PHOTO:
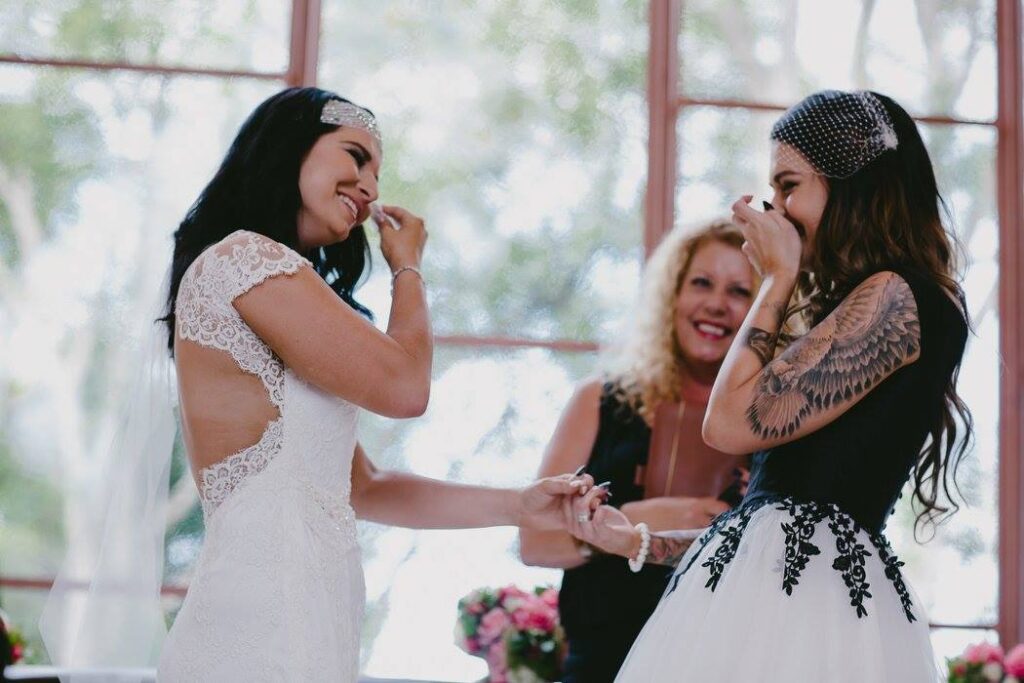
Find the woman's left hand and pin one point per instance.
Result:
(773, 244)
(541, 504)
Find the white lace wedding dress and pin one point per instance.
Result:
(277, 593)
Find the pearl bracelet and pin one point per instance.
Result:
(635, 565)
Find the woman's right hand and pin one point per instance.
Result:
(401, 244)
(773, 244)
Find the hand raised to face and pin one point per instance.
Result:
(772, 244)
(402, 236)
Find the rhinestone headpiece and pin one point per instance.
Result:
(338, 113)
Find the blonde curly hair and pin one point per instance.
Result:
(645, 369)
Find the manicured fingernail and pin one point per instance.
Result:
(580, 470)
(604, 485)
(768, 206)
(747, 198)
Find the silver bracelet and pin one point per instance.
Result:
(394, 275)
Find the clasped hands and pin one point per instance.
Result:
(573, 503)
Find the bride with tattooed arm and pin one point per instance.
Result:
(799, 583)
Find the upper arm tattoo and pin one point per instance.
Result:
(872, 333)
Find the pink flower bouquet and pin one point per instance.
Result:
(518, 633)
(12, 640)
(986, 663)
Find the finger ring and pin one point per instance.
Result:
(583, 518)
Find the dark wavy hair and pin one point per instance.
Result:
(889, 215)
(257, 188)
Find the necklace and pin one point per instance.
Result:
(675, 448)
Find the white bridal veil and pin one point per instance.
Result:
(104, 609)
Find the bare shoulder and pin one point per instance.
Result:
(573, 439)
(589, 389)
(584, 405)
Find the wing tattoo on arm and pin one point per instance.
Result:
(871, 334)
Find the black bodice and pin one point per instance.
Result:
(861, 461)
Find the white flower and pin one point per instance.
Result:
(993, 671)
(890, 140)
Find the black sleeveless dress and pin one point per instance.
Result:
(799, 583)
(603, 605)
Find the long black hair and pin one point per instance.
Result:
(889, 214)
(257, 188)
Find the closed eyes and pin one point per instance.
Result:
(359, 155)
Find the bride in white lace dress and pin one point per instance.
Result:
(274, 362)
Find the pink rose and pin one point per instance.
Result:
(535, 614)
(960, 668)
(983, 653)
(476, 608)
(550, 597)
(511, 597)
(511, 591)
(1014, 661)
(497, 662)
(493, 625)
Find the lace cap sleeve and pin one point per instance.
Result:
(248, 259)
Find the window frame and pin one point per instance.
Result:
(665, 105)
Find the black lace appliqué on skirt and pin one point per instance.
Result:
(805, 518)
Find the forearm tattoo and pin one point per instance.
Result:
(763, 342)
(668, 547)
(870, 335)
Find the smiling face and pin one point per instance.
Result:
(337, 183)
(800, 194)
(713, 300)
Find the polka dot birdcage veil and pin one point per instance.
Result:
(838, 133)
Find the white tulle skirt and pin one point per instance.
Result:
(847, 616)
